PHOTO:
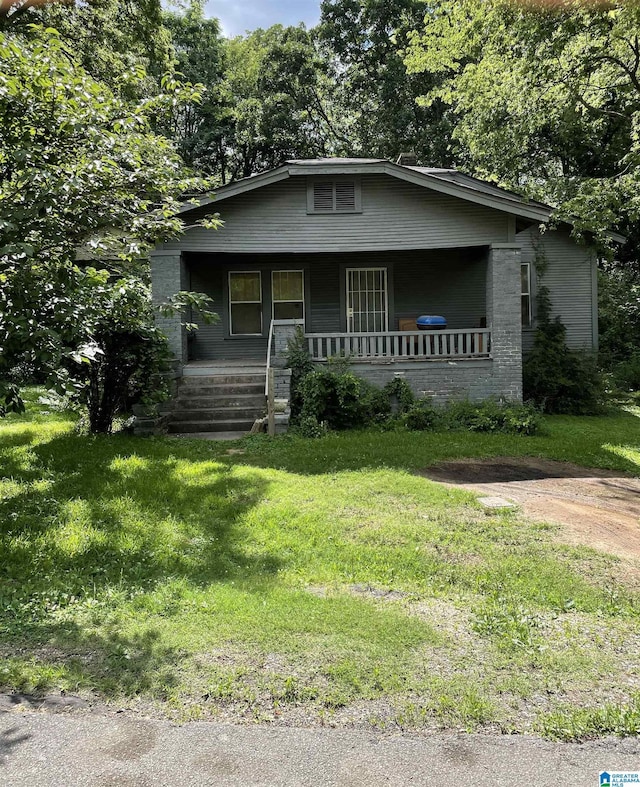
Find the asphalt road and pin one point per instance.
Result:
(42, 749)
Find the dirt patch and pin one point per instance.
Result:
(596, 508)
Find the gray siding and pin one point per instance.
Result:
(395, 215)
(572, 285)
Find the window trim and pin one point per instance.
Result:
(527, 294)
(303, 300)
(232, 303)
(357, 190)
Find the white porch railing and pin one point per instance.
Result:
(469, 343)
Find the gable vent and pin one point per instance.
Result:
(345, 196)
(323, 196)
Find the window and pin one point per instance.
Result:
(525, 276)
(245, 303)
(334, 196)
(287, 294)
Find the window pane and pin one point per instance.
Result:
(246, 318)
(526, 319)
(288, 311)
(524, 276)
(245, 286)
(287, 286)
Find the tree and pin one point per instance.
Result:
(277, 87)
(201, 130)
(365, 41)
(121, 43)
(81, 175)
(546, 100)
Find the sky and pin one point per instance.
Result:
(238, 16)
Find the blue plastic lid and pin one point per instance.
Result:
(431, 319)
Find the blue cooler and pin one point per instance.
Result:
(431, 322)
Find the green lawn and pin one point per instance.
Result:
(310, 581)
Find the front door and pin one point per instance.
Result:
(367, 303)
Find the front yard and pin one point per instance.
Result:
(302, 581)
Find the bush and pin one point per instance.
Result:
(300, 363)
(342, 401)
(123, 362)
(557, 379)
(493, 416)
(421, 416)
(626, 374)
(489, 416)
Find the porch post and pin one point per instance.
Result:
(504, 319)
(169, 276)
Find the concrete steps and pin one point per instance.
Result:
(227, 401)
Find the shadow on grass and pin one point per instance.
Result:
(116, 516)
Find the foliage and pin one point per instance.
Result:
(364, 41)
(488, 416)
(546, 99)
(421, 416)
(619, 313)
(120, 43)
(81, 175)
(400, 395)
(493, 416)
(201, 130)
(275, 86)
(299, 361)
(342, 401)
(125, 354)
(557, 379)
(569, 723)
(626, 374)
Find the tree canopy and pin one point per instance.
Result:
(546, 100)
(81, 174)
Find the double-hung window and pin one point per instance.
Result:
(245, 303)
(287, 295)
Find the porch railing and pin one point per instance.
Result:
(469, 343)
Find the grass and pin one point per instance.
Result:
(311, 581)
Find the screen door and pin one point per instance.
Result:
(367, 300)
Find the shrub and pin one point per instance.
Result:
(557, 379)
(342, 401)
(493, 416)
(626, 374)
(421, 416)
(399, 395)
(300, 363)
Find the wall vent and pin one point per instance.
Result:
(334, 196)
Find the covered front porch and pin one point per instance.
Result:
(359, 304)
(364, 306)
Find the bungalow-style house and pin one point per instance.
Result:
(355, 251)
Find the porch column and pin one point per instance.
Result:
(504, 319)
(168, 277)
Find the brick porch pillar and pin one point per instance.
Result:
(169, 276)
(504, 319)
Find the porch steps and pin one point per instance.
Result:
(225, 400)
